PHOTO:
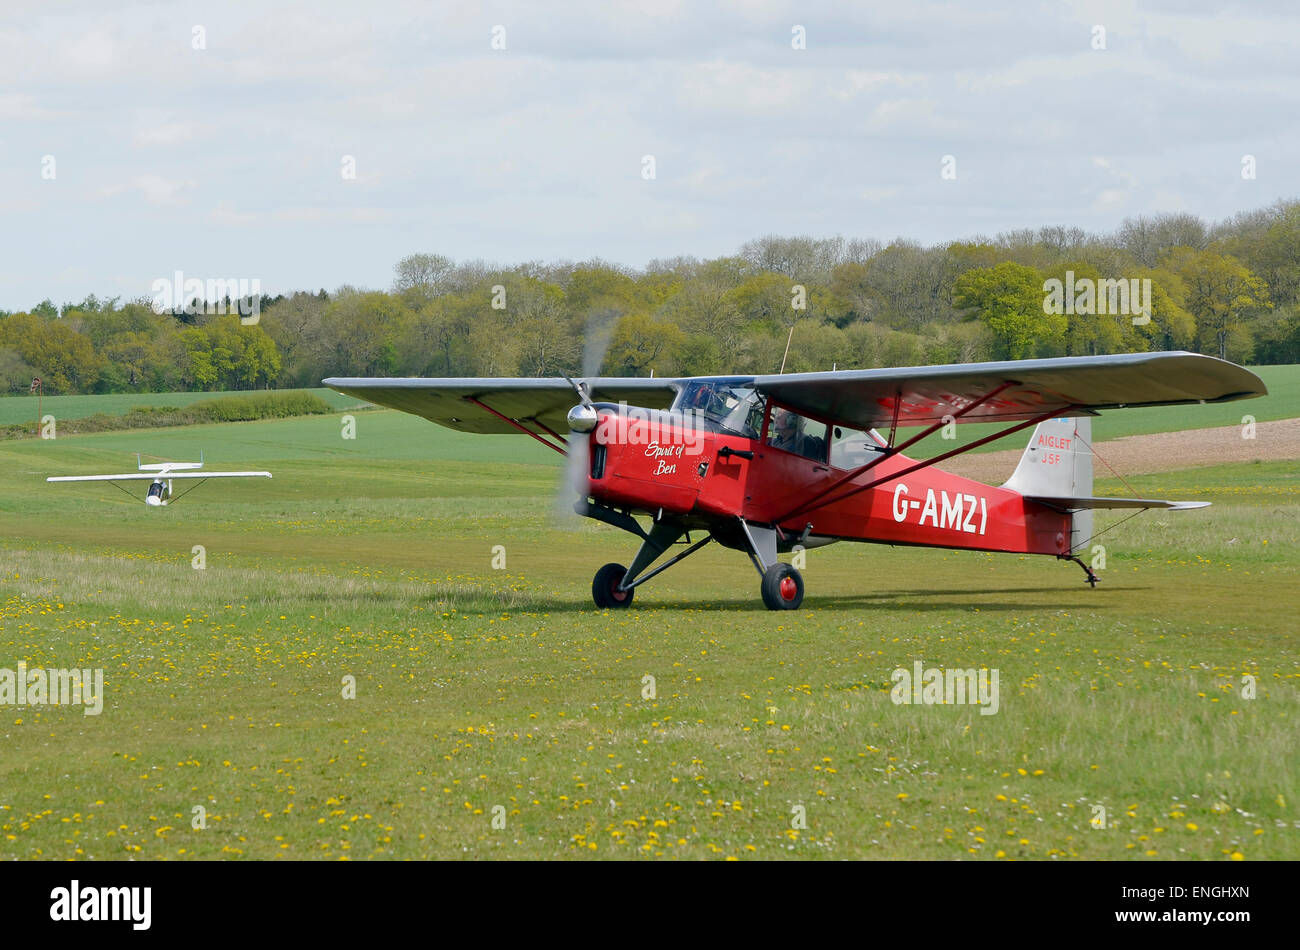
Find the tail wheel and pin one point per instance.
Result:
(605, 591)
(782, 587)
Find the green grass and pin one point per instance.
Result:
(478, 688)
(18, 409)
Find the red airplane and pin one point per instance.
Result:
(768, 464)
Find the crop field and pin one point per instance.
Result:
(389, 650)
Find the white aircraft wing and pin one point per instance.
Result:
(153, 476)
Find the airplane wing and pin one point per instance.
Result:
(153, 476)
(102, 478)
(860, 399)
(547, 400)
(865, 399)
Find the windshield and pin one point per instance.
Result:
(723, 407)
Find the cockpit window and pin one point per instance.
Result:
(723, 407)
(791, 432)
(852, 447)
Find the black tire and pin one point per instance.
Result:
(604, 588)
(777, 593)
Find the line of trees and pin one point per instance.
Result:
(1231, 289)
(100, 347)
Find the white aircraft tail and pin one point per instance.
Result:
(1056, 470)
(1057, 465)
(168, 466)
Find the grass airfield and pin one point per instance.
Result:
(487, 693)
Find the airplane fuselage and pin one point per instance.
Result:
(710, 479)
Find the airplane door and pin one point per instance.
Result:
(790, 465)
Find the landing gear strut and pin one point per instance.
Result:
(614, 585)
(782, 587)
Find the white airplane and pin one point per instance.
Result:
(160, 474)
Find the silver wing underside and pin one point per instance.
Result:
(865, 399)
(859, 399)
(546, 400)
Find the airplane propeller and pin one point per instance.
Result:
(600, 329)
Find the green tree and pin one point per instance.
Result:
(1277, 337)
(64, 359)
(599, 286)
(1008, 299)
(361, 331)
(1268, 242)
(130, 355)
(296, 325)
(15, 373)
(419, 278)
(259, 358)
(640, 344)
(545, 347)
(197, 369)
(1221, 293)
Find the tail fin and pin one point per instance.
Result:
(1056, 470)
(1058, 464)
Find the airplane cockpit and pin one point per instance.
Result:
(736, 408)
(719, 406)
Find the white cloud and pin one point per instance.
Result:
(154, 189)
(534, 152)
(164, 134)
(19, 107)
(88, 55)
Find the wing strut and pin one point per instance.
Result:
(807, 505)
(893, 450)
(547, 429)
(184, 493)
(124, 491)
(518, 425)
(893, 426)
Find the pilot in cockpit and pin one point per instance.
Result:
(786, 431)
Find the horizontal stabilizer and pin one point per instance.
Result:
(1087, 504)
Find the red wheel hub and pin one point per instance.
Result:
(788, 588)
(615, 592)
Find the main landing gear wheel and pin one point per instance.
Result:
(782, 587)
(604, 588)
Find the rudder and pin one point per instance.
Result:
(1058, 463)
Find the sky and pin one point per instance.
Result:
(312, 145)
